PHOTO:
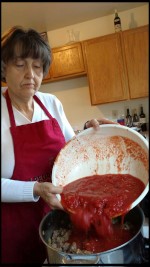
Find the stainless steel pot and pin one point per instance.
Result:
(124, 254)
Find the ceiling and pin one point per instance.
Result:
(47, 16)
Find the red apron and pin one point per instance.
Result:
(36, 146)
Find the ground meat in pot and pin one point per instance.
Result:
(59, 240)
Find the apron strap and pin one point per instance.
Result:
(10, 110)
(42, 106)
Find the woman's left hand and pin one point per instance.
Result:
(96, 122)
(47, 191)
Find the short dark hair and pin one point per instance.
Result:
(30, 43)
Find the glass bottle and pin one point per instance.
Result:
(117, 22)
(135, 118)
(142, 120)
(128, 118)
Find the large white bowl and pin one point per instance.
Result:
(103, 151)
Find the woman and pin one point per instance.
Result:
(34, 129)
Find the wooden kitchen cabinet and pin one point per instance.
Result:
(117, 66)
(3, 84)
(106, 69)
(136, 43)
(67, 61)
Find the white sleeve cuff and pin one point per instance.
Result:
(28, 192)
(17, 191)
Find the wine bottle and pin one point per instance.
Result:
(128, 118)
(135, 118)
(142, 120)
(117, 22)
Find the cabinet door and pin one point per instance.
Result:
(67, 60)
(105, 69)
(136, 45)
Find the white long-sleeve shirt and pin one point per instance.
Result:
(20, 191)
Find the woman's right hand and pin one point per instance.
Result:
(47, 191)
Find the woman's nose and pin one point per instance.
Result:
(29, 72)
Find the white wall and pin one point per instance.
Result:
(74, 93)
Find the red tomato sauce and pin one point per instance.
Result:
(93, 201)
(96, 244)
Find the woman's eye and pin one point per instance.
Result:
(19, 65)
(36, 66)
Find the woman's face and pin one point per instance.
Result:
(24, 76)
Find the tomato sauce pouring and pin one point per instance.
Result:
(93, 202)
